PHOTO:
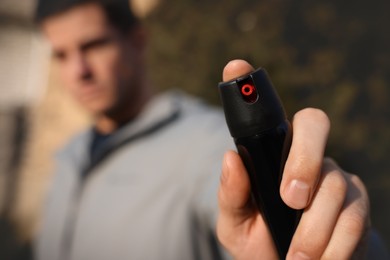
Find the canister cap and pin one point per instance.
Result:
(251, 104)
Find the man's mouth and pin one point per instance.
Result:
(89, 91)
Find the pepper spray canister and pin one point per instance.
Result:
(257, 121)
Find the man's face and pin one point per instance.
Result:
(98, 64)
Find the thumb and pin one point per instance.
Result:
(234, 192)
(236, 68)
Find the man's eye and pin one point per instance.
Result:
(95, 44)
(59, 55)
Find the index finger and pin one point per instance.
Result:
(303, 166)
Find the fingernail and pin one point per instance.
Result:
(298, 194)
(300, 256)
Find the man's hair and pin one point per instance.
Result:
(118, 12)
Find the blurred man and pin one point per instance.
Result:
(142, 182)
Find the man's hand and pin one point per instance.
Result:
(335, 220)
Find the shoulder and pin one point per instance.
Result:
(202, 118)
(202, 134)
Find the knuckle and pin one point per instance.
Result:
(328, 161)
(311, 248)
(362, 201)
(355, 224)
(335, 185)
(358, 183)
(304, 168)
(329, 256)
(356, 179)
(356, 221)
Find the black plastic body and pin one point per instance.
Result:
(263, 136)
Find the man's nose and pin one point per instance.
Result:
(80, 68)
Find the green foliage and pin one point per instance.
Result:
(328, 54)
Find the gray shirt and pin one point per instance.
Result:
(150, 194)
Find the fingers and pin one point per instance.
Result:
(352, 227)
(236, 68)
(333, 224)
(317, 223)
(303, 166)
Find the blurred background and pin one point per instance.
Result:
(333, 55)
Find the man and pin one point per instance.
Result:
(142, 182)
